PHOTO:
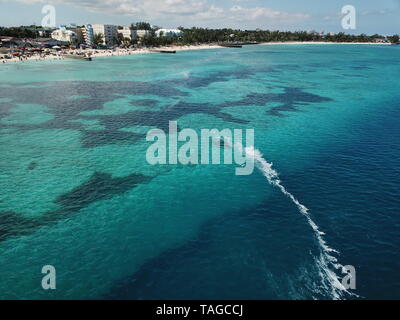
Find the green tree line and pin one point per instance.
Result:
(204, 35)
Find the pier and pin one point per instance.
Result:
(164, 51)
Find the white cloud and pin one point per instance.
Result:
(183, 12)
(259, 13)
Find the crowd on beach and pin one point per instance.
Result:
(60, 54)
(33, 57)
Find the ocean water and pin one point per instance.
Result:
(78, 194)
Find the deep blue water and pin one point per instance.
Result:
(77, 192)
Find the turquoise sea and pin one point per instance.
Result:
(78, 194)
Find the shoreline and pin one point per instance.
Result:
(101, 53)
(95, 53)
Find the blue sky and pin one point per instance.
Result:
(321, 15)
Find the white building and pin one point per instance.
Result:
(169, 33)
(142, 33)
(108, 32)
(127, 33)
(381, 40)
(64, 35)
(88, 34)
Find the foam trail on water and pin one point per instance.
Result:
(326, 258)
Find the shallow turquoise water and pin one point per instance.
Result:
(77, 192)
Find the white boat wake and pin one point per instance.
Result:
(326, 259)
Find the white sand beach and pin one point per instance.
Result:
(119, 52)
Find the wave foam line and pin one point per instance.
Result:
(325, 259)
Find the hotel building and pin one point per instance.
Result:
(142, 33)
(88, 34)
(169, 33)
(64, 35)
(127, 33)
(108, 32)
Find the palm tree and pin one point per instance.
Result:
(98, 39)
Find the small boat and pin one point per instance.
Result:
(76, 56)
